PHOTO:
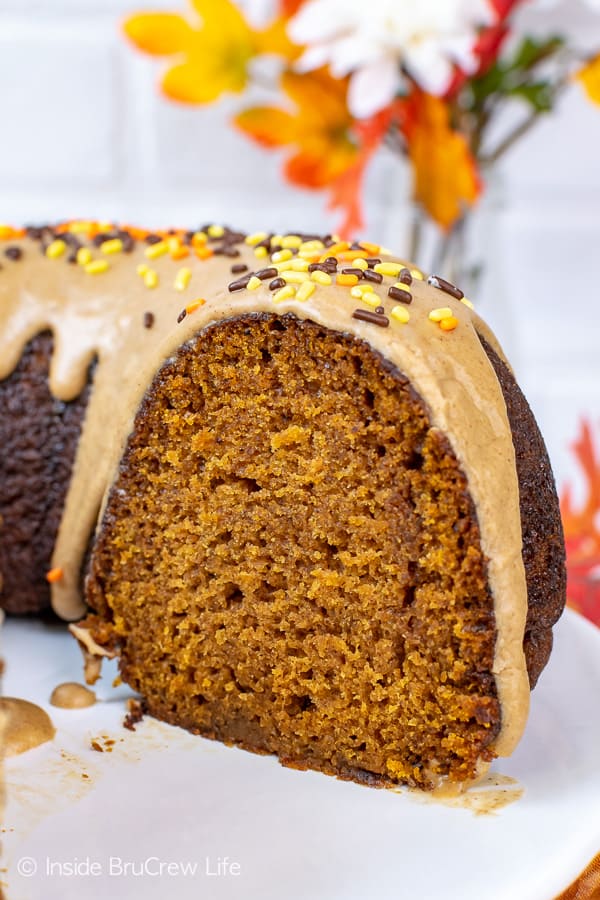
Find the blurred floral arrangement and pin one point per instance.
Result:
(582, 526)
(426, 79)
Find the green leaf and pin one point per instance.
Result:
(537, 94)
(531, 52)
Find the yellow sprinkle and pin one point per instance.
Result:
(467, 302)
(310, 255)
(151, 278)
(96, 267)
(388, 268)
(416, 273)
(253, 239)
(282, 255)
(276, 240)
(384, 251)
(321, 277)
(291, 242)
(296, 277)
(284, 293)
(254, 283)
(182, 279)
(305, 291)
(260, 252)
(55, 249)
(84, 256)
(115, 245)
(174, 244)
(156, 250)
(400, 314)
(360, 289)
(142, 269)
(371, 299)
(199, 237)
(443, 312)
(216, 231)
(299, 265)
(80, 227)
(311, 246)
(360, 263)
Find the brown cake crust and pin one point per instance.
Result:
(38, 436)
(541, 524)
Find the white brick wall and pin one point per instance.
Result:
(85, 133)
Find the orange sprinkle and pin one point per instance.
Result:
(7, 232)
(192, 307)
(180, 252)
(340, 247)
(372, 249)
(449, 323)
(347, 280)
(204, 252)
(350, 255)
(54, 575)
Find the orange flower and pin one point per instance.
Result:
(589, 76)
(582, 533)
(209, 59)
(346, 191)
(445, 172)
(320, 128)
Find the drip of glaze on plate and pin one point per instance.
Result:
(26, 725)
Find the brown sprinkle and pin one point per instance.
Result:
(277, 283)
(318, 267)
(148, 319)
(13, 253)
(405, 277)
(263, 274)
(239, 284)
(397, 293)
(380, 310)
(238, 268)
(373, 261)
(357, 272)
(446, 286)
(181, 316)
(376, 318)
(370, 275)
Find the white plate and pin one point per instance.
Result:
(235, 825)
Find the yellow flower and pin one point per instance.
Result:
(210, 59)
(589, 76)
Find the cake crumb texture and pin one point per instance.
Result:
(290, 560)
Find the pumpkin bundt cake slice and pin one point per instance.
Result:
(292, 562)
(315, 511)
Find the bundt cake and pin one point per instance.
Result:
(289, 481)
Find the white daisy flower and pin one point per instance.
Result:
(373, 40)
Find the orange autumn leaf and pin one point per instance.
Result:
(319, 128)
(589, 76)
(444, 170)
(582, 529)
